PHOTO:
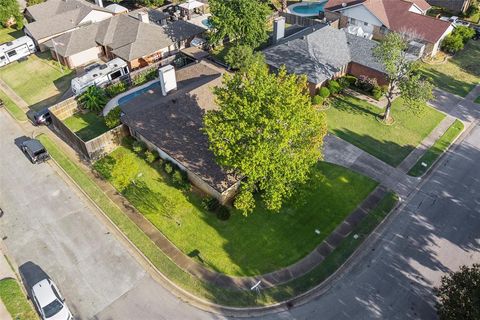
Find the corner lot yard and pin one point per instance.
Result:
(262, 242)
(355, 121)
(86, 125)
(460, 74)
(38, 79)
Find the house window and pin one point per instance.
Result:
(11, 53)
(116, 74)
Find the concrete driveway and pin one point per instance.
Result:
(50, 224)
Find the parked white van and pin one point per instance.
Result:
(16, 49)
(99, 76)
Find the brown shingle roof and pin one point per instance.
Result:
(174, 122)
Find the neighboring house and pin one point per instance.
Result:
(323, 53)
(52, 18)
(375, 18)
(135, 40)
(456, 6)
(172, 125)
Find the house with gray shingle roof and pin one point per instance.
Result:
(134, 40)
(52, 18)
(323, 53)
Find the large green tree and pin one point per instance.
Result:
(459, 294)
(267, 131)
(10, 13)
(242, 57)
(402, 72)
(243, 21)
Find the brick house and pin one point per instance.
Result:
(375, 18)
(323, 53)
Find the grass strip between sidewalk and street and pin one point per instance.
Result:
(207, 291)
(439, 147)
(12, 108)
(15, 300)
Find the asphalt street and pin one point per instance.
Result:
(48, 222)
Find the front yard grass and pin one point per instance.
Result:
(460, 74)
(15, 300)
(86, 125)
(237, 298)
(355, 121)
(242, 246)
(437, 149)
(38, 79)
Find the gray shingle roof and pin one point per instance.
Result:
(128, 37)
(48, 9)
(320, 52)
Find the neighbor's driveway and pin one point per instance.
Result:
(47, 222)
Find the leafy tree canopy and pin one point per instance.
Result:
(241, 57)
(10, 13)
(93, 99)
(459, 294)
(402, 73)
(267, 131)
(243, 21)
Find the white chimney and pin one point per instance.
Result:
(99, 3)
(168, 81)
(143, 16)
(278, 29)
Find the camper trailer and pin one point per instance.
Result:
(100, 76)
(16, 49)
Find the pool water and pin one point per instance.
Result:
(206, 23)
(128, 97)
(310, 9)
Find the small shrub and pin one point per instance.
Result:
(115, 89)
(377, 93)
(138, 146)
(210, 204)
(452, 43)
(324, 92)
(93, 99)
(168, 167)
(344, 83)
(317, 100)
(472, 10)
(352, 80)
(466, 33)
(150, 75)
(334, 87)
(223, 213)
(366, 84)
(180, 180)
(151, 156)
(112, 119)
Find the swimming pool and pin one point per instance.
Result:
(310, 9)
(128, 97)
(206, 23)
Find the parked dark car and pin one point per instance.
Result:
(42, 117)
(35, 150)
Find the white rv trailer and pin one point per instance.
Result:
(16, 49)
(99, 76)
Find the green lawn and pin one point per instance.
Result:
(9, 34)
(15, 300)
(86, 125)
(14, 110)
(437, 149)
(460, 74)
(355, 121)
(237, 298)
(257, 244)
(38, 80)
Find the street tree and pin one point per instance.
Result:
(243, 21)
(459, 294)
(10, 14)
(402, 73)
(266, 131)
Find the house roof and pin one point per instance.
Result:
(129, 38)
(154, 15)
(48, 9)
(174, 123)
(320, 52)
(395, 15)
